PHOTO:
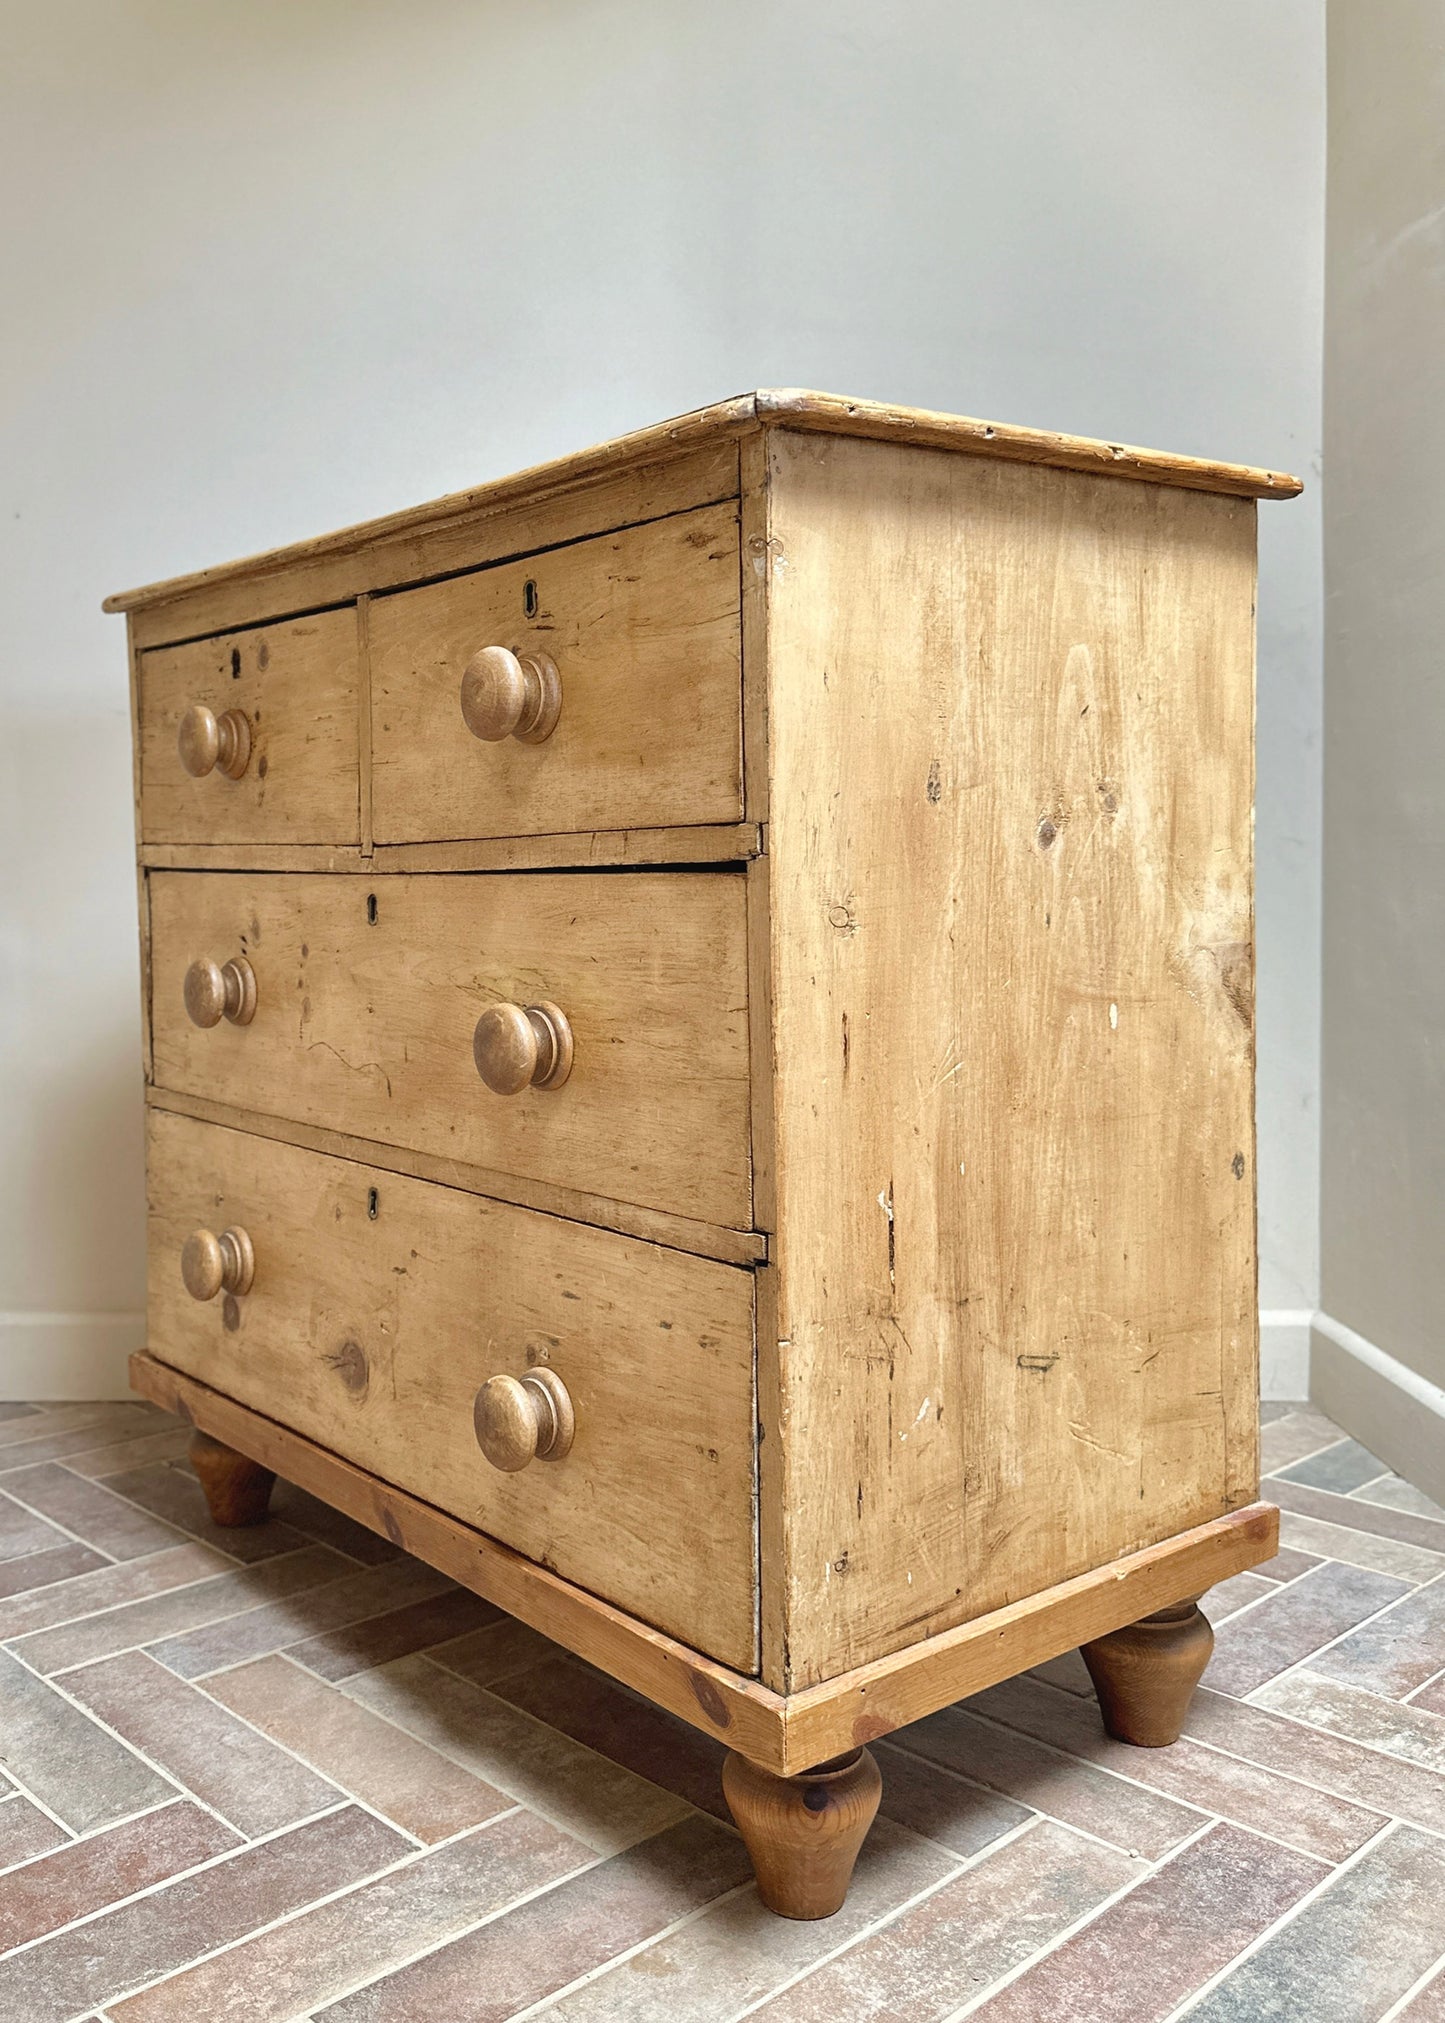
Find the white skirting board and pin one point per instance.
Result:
(1284, 1352)
(1387, 1406)
(60, 1356)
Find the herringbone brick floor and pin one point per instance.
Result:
(290, 1773)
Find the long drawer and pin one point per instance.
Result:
(270, 717)
(642, 628)
(378, 1306)
(368, 995)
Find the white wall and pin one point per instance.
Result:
(276, 267)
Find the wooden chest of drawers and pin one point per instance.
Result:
(699, 1056)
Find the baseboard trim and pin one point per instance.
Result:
(1388, 1407)
(1284, 1352)
(54, 1357)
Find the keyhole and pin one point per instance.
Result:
(371, 909)
(529, 598)
(372, 1203)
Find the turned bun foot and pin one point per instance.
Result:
(804, 1833)
(237, 1489)
(1145, 1675)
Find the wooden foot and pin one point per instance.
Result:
(237, 1490)
(1145, 1675)
(804, 1833)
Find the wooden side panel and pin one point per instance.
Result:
(381, 1304)
(1011, 956)
(643, 626)
(296, 681)
(368, 993)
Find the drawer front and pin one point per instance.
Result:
(379, 1305)
(368, 993)
(295, 686)
(643, 629)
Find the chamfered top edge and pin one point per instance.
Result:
(775, 407)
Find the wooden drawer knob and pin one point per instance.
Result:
(212, 1264)
(520, 1047)
(210, 743)
(522, 1419)
(221, 990)
(511, 695)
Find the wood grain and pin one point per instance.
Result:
(653, 1225)
(1011, 961)
(702, 843)
(785, 1736)
(365, 1025)
(381, 1305)
(296, 682)
(643, 627)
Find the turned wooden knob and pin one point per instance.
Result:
(221, 990)
(520, 1047)
(522, 1419)
(210, 743)
(212, 1264)
(511, 695)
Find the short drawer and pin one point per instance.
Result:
(643, 630)
(379, 1305)
(268, 719)
(368, 993)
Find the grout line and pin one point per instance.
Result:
(1079, 1924)
(891, 1917)
(65, 1532)
(1262, 1939)
(1365, 1622)
(94, 1832)
(22, 1790)
(1415, 1692)
(604, 1967)
(1430, 1975)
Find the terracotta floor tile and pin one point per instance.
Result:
(118, 1457)
(1410, 1731)
(77, 1771)
(548, 1942)
(85, 1875)
(1291, 1438)
(173, 1494)
(17, 1411)
(1392, 1492)
(1332, 1762)
(1353, 1950)
(947, 1950)
(1279, 1408)
(330, 1527)
(252, 1784)
(1068, 1672)
(44, 1569)
(1294, 1622)
(311, 1960)
(357, 1647)
(1317, 1823)
(942, 1806)
(1432, 1697)
(419, 1790)
(1141, 1957)
(602, 1804)
(87, 1966)
(595, 1710)
(353, 1594)
(162, 1615)
(1075, 1793)
(1397, 1652)
(1426, 1532)
(1392, 1556)
(1342, 1467)
(737, 1952)
(107, 1588)
(25, 1831)
(91, 1512)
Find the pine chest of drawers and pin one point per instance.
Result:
(698, 1020)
